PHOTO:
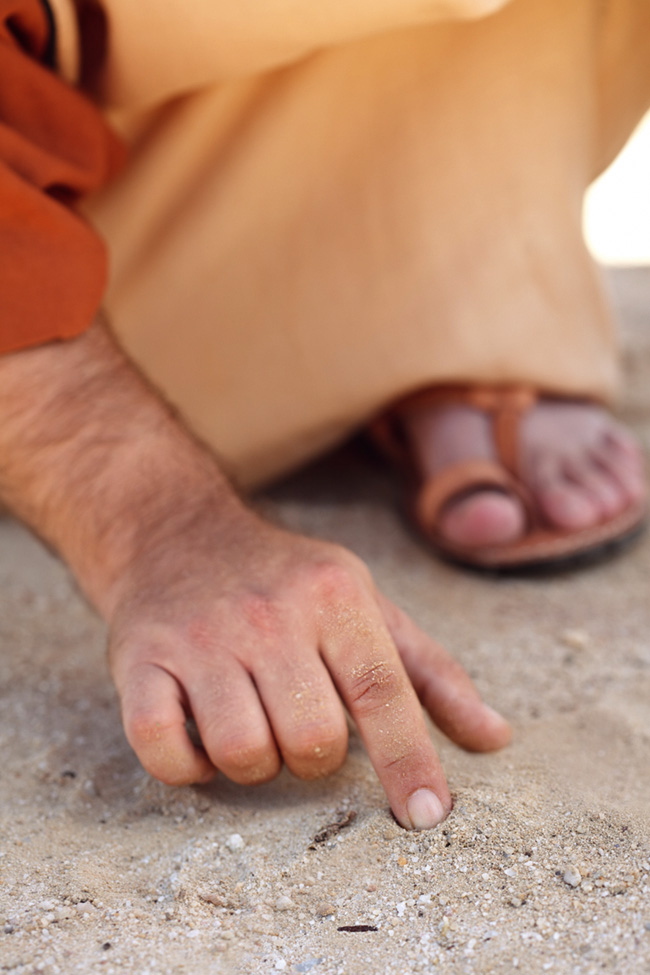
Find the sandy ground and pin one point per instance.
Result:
(544, 864)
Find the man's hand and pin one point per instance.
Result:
(262, 636)
(259, 635)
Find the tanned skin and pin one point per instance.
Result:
(260, 635)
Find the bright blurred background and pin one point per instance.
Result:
(617, 207)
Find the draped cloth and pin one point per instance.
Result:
(55, 148)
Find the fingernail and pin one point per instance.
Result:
(424, 809)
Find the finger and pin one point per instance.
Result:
(233, 726)
(304, 709)
(369, 675)
(154, 719)
(444, 687)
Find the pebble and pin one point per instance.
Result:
(325, 908)
(575, 639)
(307, 964)
(217, 900)
(284, 903)
(85, 908)
(235, 842)
(572, 876)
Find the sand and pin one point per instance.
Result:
(544, 864)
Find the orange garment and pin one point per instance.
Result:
(54, 147)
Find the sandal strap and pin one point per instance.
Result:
(465, 478)
(505, 404)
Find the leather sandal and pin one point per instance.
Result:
(542, 545)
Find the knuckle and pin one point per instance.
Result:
(374, 687)
(317, 750)
(337, 582)
(246, 758)
(262, 613)
(145, 728)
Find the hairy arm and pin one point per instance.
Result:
(261, 636)
(94, 461)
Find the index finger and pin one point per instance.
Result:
(370, 677)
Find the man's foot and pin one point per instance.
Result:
(580, 466)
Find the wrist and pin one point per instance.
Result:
(168, 499)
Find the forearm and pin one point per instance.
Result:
(95, 462)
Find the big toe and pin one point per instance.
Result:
(483, 518)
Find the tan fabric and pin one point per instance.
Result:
(155, 51)
(295, 247)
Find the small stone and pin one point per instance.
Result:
(284, 903)
(307, 964)
(571, 876)
(217, 900)
(235, 843)
(85, 908)
(575, 639)
(516, 902)
(280, 965)
(324, 909)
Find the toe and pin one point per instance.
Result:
(483, 518)
(563, 500)
(622, 460)
(605, 491)
(566, 505)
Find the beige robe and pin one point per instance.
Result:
(330, 204)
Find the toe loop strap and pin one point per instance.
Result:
(463, 479)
